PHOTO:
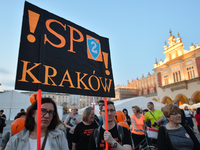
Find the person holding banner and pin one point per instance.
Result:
(71, 122)
(115, 141)
(83, 130)
(51, 138)
(173, 135)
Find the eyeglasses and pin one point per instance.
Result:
(44, 112)
(175, 114)
(111, 110)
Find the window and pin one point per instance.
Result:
(151, 90)
(190, 71)
(177, 76)
(145, 91)
(166, 79)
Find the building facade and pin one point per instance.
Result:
(69, 100)
(177, 78)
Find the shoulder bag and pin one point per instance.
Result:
(45, 140)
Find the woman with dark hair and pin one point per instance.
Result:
(51, 138)
(173, 135)
(197, 118)
(127, 119)
(83, 130)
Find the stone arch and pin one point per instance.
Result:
(167, 100)
(195, 98)
(181, 99)
(155, 99)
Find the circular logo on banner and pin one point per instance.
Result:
(187, 135)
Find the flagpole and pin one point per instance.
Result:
(106, 118)
(93, 104)
(39, 119)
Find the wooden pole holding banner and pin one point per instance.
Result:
(106, 118)
(39, 119)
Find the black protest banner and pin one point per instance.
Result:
(57, 55)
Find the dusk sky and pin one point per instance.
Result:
(137, 31)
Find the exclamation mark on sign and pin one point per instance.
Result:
(33, 20)
(105, 58)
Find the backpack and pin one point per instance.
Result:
(97, 133)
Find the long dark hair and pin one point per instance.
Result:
(125, 110)
(30, 122)
(198, 110)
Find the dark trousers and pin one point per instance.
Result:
(198, 127)
(69, 139)
(1, 128)
(189, 119)
(137, 139)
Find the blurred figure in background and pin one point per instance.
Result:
(8, 135)
(2, 122)
(127, 117)
(61, 125)
(148, 124)
(155, 116)
(141, 111)
(22, 110)
(138, 123)
(197, 118)
(165, 119)
(83, 130)
(183, 118)
(100, 103)
(71, 122)
(188, 115)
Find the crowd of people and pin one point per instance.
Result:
(88, 132)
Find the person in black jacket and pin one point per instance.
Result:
(173, 135)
